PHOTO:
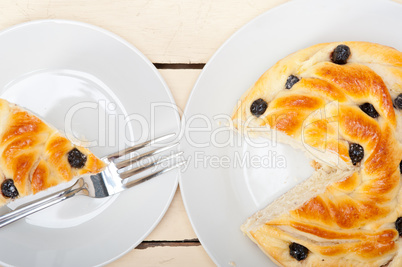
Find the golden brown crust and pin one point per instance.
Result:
(359, 252)
(353, 222)
(34, 155)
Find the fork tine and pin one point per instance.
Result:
(148, 154)
(139, 169)
(138, 146)
(153, 175)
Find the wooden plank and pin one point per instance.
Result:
(173, 31)
(182, 243)
(180, 83)
(165, 256)
(175, 225)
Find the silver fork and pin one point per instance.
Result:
(106, 183)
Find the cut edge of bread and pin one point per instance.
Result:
(327, 158)
(316, 184)
(296, 197)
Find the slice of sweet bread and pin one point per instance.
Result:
(35, 156)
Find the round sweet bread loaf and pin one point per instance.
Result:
(342, 104)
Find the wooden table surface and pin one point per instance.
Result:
(179, 37)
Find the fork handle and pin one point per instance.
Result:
(40, 204)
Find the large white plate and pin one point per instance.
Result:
(101, 91)
(219, 193)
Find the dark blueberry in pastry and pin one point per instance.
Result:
(400, 166)
(291, 81)
(340, 54)
(398, 225)
(76, 158)
(398, 101)
(8, 189)
(356, 153)
(297, 251)
(258, 107)
(369, 110)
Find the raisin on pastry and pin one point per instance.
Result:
(258, 107)
(292, 80)
(345, 113)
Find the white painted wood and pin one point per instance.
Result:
(180, 83)
(166, 31)
(175, 225)
(194, 256)
(187, 31)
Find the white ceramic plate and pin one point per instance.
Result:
(102, 91)
(219, 190)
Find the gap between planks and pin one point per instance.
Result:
(176, 66)
(169, 243)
